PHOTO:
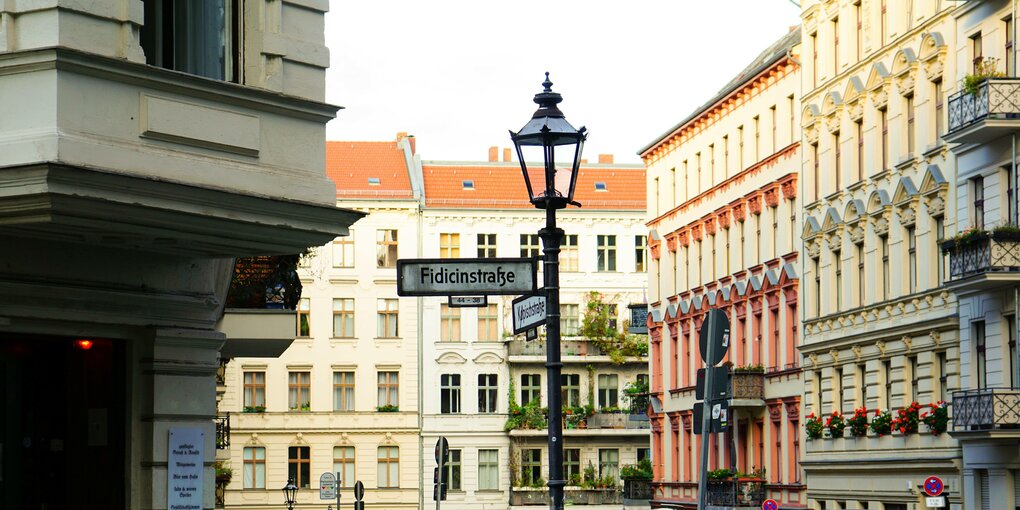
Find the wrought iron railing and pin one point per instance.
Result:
(995, 97)
(745, 493)
(519, 347)
(982, 255)
(265, 282)
(748, 385)
(637, 489)
(986, 409)
(222, 431)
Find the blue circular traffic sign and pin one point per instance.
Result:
(933, 486)
(770, 504)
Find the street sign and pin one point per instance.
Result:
(720, 384)
(468, 301)
(528, 312)
(442, 451)
(769, 504)
(933, 486)
(466, 277)
(327, 486)
(721, 342)
(720, 410)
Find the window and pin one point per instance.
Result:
(838, 173)
(838, 261)
(571, 389)
(1011, 335)
(343, 465)
(726, 155)
(939, 120)
(606, 255)
(860, 380)
(912, 259)
(740, 148)
(837, 397)
(978, 330)
(343, 251)
(488, 470)
(488, 388)
(299, 466)
(976, 52)
(711, 163)
(486, 245)
(1010, 58)
(978, 189)
(200, 38)
(816, 270)
(388, 474)
(343, 318)
(570, 320)
(910, 124)
(600, 186)
(887, 380)
(814, 59)
(943, 375)
(389, 388)
(759, 250)
(883, 244)
(792, 107)
(488, 323)
(531, 388)
(343, 391)
(386, 248)
(859, 128)
(299, 391)
(568, 253)
(640, 254)
(467, 184)
(913, 376)
(1007, 176)
(449, 323)
(449, 393)
(254, 389)
(816, 175)
(940, 256)
(449, 246)
(530, 246)
(697, 176)
(609, 463)
(304, 318)
(757, 139)
(571, 463)
(884, 121)
(835, 46)
(531, 465)
(644, 454)
(882, 23)
(386, 323)
(254, 468)
(859, 257)
(609, 385)
(859, 42)
(452, 477)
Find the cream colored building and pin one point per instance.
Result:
(355, 351)
(880, 325)
(137, 163)
(724, 213)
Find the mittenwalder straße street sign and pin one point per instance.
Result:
(466, 277)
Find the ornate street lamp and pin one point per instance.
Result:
(547, 130)
(289, 493)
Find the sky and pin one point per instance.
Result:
(458, 74)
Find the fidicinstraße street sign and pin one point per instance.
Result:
(467, 277)
(528, 312)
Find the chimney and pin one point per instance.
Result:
(506, 155)
(493, 154)
(605, 159)
(410, 139)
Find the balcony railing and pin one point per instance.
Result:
(265, 282)
(736, 493)
(995, 98)
(222, 431)
(748, 385)
(571, 496)
(637, 489)
(568, 347)
(982, 255)
(986, 409)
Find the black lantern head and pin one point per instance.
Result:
(547, 130)
(289, 493)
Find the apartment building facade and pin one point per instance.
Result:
(982, 127)
(880, 325)
(723, 215)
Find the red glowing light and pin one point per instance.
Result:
(84, 344)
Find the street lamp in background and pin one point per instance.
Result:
(553, 189)
(289, 493)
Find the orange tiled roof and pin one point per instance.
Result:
(502, 186)
(351, 164)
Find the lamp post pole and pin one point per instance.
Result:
(551, 239)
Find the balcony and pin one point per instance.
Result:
(983, 260)
(576, 350)
(259, 318)
(222, 431)
(636, 490)
(748, 389)
(525, 496)
(992, 112)
(739, 493)
(987, 410)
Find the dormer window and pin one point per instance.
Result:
(468, 184)
(600, 186)
(373, 181)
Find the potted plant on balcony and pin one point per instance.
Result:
(749, 369)
(813, 426)
(964, 239)
(936, 418)
(985, 69)
(254, 409)
(907, 419)
(881, 424)
(858, 423)
(388, 408)
(835, 423)
(223, 473)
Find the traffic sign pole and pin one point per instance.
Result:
(706, 416)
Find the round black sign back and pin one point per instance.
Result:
(721, 338)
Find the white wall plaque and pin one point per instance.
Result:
(184, 469)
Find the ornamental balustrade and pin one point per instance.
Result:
(986, 409)
(637, 489)
(748, 385)
(984, 255)
(995, 98)
(222, 431)
(749, 492)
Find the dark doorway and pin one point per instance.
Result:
(62, 438)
